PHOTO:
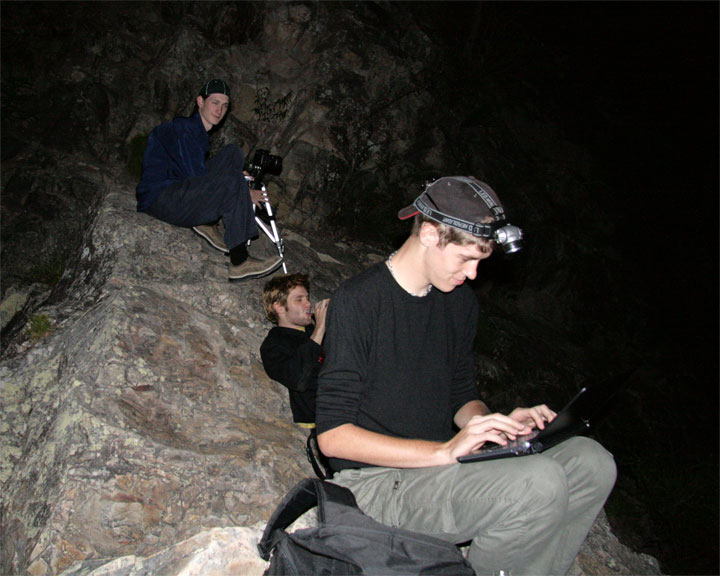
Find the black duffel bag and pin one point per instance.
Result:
(346, 541)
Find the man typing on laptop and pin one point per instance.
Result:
(398, 382)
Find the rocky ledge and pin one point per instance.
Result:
(140, 434)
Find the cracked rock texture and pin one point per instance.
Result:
(142, 435)
(146, 416)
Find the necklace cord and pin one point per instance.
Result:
(392, 273)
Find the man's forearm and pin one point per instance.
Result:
(351, 442)
(472, 408)
(318, 334)
(477, 426)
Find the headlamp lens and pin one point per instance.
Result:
(512, 247)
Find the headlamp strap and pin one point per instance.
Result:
(496, 210)
(474, 228)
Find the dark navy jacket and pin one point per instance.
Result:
(175, 151)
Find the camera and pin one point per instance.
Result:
(263, 163)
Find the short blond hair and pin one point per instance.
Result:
(277, 289)
(449, 235)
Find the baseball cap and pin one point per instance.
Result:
(462, 202)
(215, 86)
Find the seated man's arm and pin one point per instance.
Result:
(338, 436)
(351, 442)
(290, 362)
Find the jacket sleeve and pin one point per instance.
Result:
(292, 362)
(190, 154)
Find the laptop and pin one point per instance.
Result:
(576, 418)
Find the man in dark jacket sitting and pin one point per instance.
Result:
(180, 187)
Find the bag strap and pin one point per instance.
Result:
(306, 494)
(310, 446)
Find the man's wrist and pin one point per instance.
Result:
(318, 335)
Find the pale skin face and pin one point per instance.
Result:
(213, 109)
(298, 311)
(447, 267)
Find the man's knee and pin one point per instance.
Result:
(228, 160)
(597, 463)
(545, 485)
(534, 487)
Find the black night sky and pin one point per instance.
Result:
(638, 87)
(643, 97)
(640, 91)
(636, 84)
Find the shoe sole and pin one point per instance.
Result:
(207, 238)
(258, 274)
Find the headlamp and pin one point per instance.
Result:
(506, 235)
(509, 237)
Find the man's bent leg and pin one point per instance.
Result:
(590, 472)
(187, 204)
(224, 171)
(220, 193)
(511, 510)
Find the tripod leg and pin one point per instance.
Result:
(272, 232)
(275, 237)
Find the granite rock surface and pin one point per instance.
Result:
(142, 435)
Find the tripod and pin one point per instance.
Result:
(271, 231)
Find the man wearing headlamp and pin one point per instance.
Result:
(397, 401)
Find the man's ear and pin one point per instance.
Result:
(279, 309)
(200, 101)
(429, 235)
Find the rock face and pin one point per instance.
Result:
(146, 416)
(331, 89)
(144, 428)
(232, 551)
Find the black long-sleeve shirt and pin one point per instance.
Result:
(394, 363)
(292, 358)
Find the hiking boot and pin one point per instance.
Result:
(253, 268)
(211, 233)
